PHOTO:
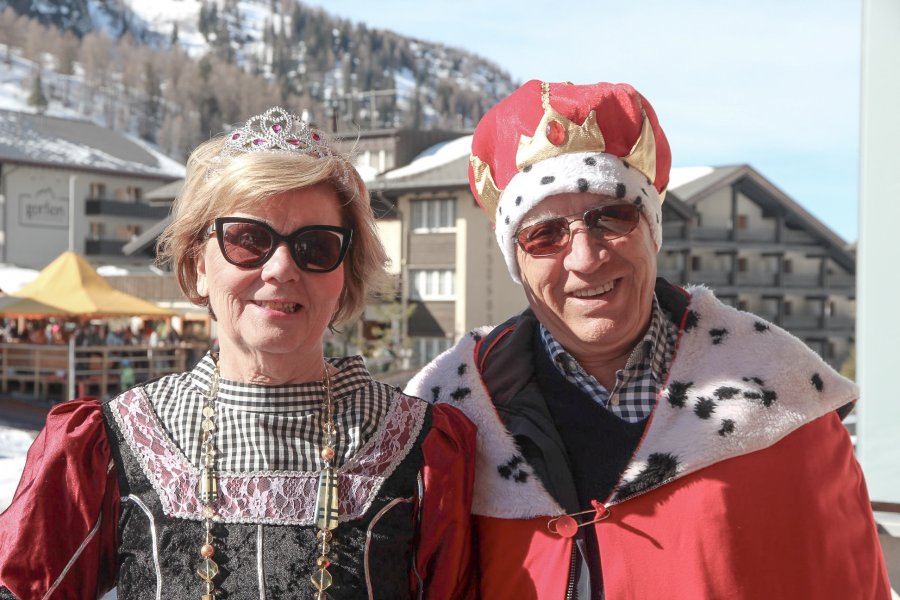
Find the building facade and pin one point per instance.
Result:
(734, 231)
(43, 160)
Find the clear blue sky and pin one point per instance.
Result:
(774, 84)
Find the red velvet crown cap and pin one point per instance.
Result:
(618, 110)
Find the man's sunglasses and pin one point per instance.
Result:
(552, 236)
(250, 243)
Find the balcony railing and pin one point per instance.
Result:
(104, 246)
(757, 279)
(95, 206)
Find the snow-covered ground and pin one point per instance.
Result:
(14, 444)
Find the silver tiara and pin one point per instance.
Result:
(275, 130)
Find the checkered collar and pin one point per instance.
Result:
(351, 375)
(653, 344)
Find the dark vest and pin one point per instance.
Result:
(264, 559)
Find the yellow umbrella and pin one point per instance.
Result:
(12, 306)
(70, 284)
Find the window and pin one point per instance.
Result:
(427, 349)
(742, 221)
(788, 266)
(98, 191)
(432, 284)
(696, 264)
(742, 264)
(742, 305)
(98, 230)
(433, 215)
(787, 308)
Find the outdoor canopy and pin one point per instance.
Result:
(71, 287)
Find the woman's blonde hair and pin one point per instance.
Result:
(215, 187)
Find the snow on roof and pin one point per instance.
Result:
(42, 139)
(433, 157)
(367, 172)
(684, 175)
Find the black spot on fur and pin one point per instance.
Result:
(435, 394)
(755, 380)
(547, 179)
(476, 336)
(518, 200)
(678, 393)
(760, 327)
(461, 370)
(644, 191)
(657, 217)
(691, 321)
(582, 185)
(500, 210)
(506, 220)
(767, 397)
(718, 335)
(460, 393)
(816, 380)
(649, 182)
(590, 161)
(661, 466)
(626, 165)
(726, 393)
(511, 470)
(704, 408)
(727, 427)
(526, 169)
(620, 190)
(638, 201)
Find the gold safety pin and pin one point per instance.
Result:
(567, 526)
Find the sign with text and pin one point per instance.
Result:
(43, 208)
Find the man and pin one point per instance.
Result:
(637, 440)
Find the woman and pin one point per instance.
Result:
(266, 471)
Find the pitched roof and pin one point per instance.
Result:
(693, 184)
(78, 144)
(443, 165)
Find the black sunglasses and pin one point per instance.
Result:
(250, 243)
(552, 236)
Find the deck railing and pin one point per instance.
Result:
(41, 371)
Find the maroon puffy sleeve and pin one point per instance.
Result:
(59, 533)
(445, 555)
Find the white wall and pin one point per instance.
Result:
(878, 325)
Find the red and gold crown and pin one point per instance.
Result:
(552, 138)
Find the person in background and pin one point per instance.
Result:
(266, 471)
(638, 440)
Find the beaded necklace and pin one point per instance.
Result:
(326, 502)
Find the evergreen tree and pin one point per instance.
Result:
(37, 99)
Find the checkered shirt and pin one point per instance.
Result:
(638, 384)
(271, 428)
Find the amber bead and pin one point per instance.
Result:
(207, 550)
(328, 453)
